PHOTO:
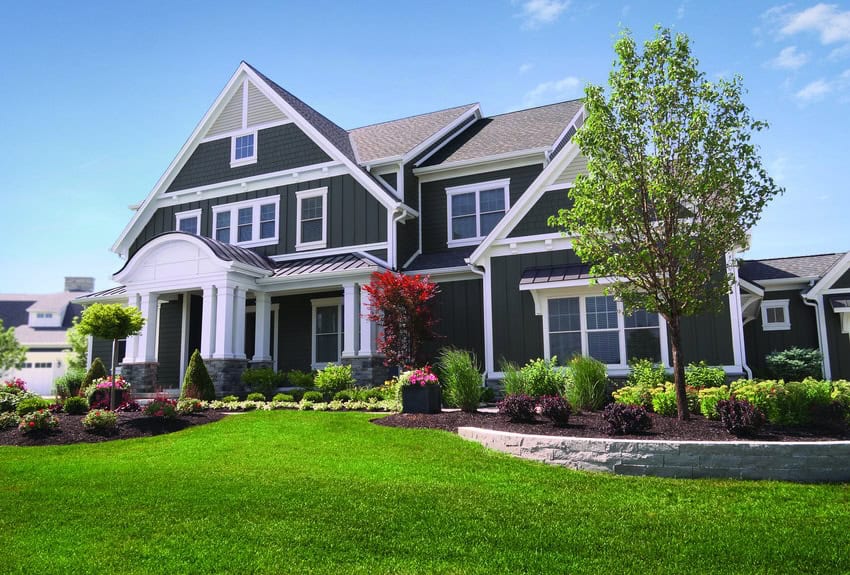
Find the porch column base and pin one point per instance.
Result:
(368, 370)
(226, 375)
(261, 364)
(140, 376)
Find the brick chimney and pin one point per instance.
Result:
(79, 284)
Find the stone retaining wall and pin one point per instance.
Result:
(804, 461)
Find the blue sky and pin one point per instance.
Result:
(97, 98)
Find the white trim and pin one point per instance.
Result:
(188, 215)
(580, 115)
(240, 130)
(252, 159)
(468, 117)
(326, 302)
(304, 195)
(775, 304)
(523, 245)
(333, 252)
(750, 287)
(831, 276)
(255, 204)
(476, 190)
(525, 157)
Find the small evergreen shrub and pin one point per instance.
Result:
(298, 378)
(556, 409)
(312, 397)
(197, 383)
(161, 406)
(9, 419)
(283, 397)
(587, 386)
(229, 399)
(70, 384)
(460, 376)
(333, 378)
(344, 395)
(626, 419)
(31, 404)
(41, 420)
(702, 375)
(518, 407)
(740, 418)
(708, 399)
(795, 364)
(100, 420)
(255, 397)
(96, 371)
(263, 380)
(76, 405)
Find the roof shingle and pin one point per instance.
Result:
(788, 268)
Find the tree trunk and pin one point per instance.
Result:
(112, 377)
(675, 333)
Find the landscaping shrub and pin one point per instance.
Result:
(31, 404)
(556, 409)
(283, 397)
(488, 394)
(626, 419)
(740, 418)
(70, 384)
(197, 383)
(41, 420)
(513, 382)
(587, 385)
(255, 397)
(230, 399)
(840, 394)
(9, 399)
(9, 419)
(794, 402)
(96, 371)
(544, 377)
(100, 389)
(344, 395)
(333, 378)
(189, 405)
(14, 386)
(75, 405)
(312, 397)
(755, 392)
(305, 405)
(703, 375)
(370, 394)
(634, 395)
(460, 376)
(664, 399)
(100, 420)
(263, 380)
(298, 378)
(795, 364)
(161, 406)
(708, 398)
(518, 407)
(55, 407)
(646, 374)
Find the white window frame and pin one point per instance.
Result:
(248, 159)
(303, 195)
(583, 294)
(188, 215)
(326, 302)
(505, 184)
(255, 221)
(774, 304)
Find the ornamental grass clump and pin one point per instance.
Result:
(740, 418)
(38, 421)
(626, 419)
(100, 420)
(587, 385)
(460, 375)
(197, 383)
(519, 407)
(556, 409)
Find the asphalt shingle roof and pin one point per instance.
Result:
(787, 268)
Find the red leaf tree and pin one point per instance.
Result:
(402, 304)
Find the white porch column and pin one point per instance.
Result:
(224, 322)
(148, 335)
(262, 328)
(367, 328)
(132, 347)
(208, 323)
(351, 327)
(239, 323)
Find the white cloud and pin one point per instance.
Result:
(525, 68)
(813, 91)
(680, 11)
(536, 13)
(840, 53)
(563, 89)
(790, 59)
(825, 19)
(778, 168)
(625, 10)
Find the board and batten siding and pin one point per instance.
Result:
(295, 335)
(839, 346)
(278, 148)
(102, 348)
(355, 216)
(459, 311)
(434, 211)
(169, 345)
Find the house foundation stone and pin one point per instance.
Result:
(226, 375)
(368, 371)
(140, 376)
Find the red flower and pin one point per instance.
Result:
(32, 424)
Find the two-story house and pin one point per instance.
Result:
(256, 242)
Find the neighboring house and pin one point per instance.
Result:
(799, 301)
(41, 323)
(255, 244)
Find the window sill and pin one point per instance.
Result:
(243, 162)
(310, 246)
(777, 327)
(256, 243)
(464, 242)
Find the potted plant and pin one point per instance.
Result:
(420, 391)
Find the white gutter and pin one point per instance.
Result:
(821, 323)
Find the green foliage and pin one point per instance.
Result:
(9, 399)
(664, 399)
(12, 353)
(31, 404)
(298, 378)
(71, 383)
(587, 385)
(795, 364)
(76, 405)
(263, 380)
(283, 397)
(644, 373)
(536, 378)
(634, 395)
(513, 382)
(460, 376)
(344, 395)
(111, 321)
(197, 383)
(791, 403)
(41, 420)
(186, 405)
(9, 419)
(161, 407)
(255, 397)
(841, 395)
(333, 378)
(708, 398)
(100, 420)
(312, 397)
(703, 375)
(78, 356)
(95, 372)
(229, 399)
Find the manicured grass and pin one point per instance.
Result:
(311, 492)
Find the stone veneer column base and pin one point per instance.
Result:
(261, 364)
(369, 371)
(226, 375)
(140, 376)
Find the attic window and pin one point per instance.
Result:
(243, 149)
(474, 210)
(774, 315)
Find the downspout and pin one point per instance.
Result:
(489, 360)
(398, 215)
(824, 350)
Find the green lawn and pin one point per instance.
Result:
(308, 492)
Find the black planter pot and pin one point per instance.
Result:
(420, 399)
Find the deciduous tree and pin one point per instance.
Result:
(12, 353)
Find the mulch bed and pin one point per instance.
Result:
(591, 424)
(130, 425)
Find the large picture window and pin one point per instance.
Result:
(249, 223)
(474, 210)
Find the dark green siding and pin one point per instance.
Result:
(411, 187)
(459, 309)
(708, 337)
(517, 330)
(839, 345)
(391, 179)
(355, 216)
(434, 211)
(102, 348)
(279, 148)
(842, 282)
(803, 333)
(170, 325)
(380, 254)
(294, 333)
(196, 307)
(536, 220)
(407, 241)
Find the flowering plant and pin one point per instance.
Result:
(107, 383)
(422, 377)
(161, 406)
(100, 419)
(41, 420)
(15, 385)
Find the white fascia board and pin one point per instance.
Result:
(786, 284)
(429, 173)
(835, 272)
(537, 188)
(751, 287)
(473, 112)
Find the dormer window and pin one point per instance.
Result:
(44, 315)
(243, 149)
(188, 221)
(474, 210)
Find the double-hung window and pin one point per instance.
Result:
(311, 218)
(474, 210)
(188, 221)
(327, 331)
(249, 223)
(243, 149)
(774, 315)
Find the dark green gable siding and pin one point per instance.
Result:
(391, 179)
(170, 327)
(839, 345)
(536, 220)
(355, 216)
(843, 282)
(434, 210)
(803, 333)
(279, 148)
(407, 235)
(459, 309)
